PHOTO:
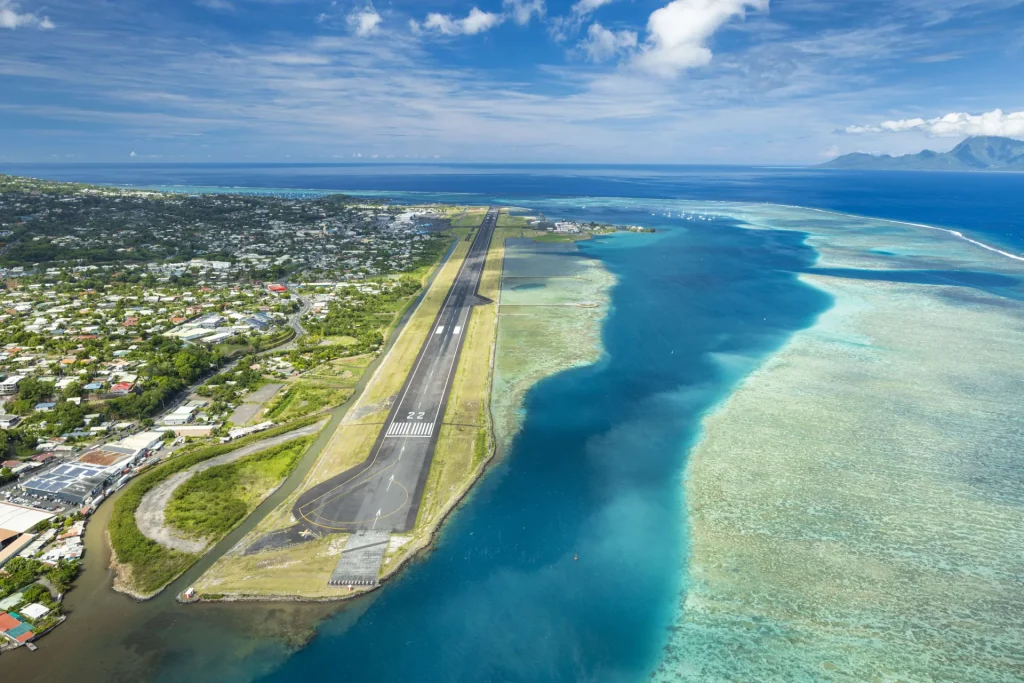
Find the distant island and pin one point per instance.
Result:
(982, 153)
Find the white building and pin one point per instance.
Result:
(9, 386)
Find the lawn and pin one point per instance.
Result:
(212, 503)
(471, 218)
(305, 398)
(344, 372)
(507, 220)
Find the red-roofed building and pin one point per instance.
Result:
(7, 622)
(277, 288)
(122, 388)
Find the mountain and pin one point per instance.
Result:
(982, 153)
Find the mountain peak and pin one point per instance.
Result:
(978, 153)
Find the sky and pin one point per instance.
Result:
(575, 81)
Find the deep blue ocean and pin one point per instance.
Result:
(597, 468)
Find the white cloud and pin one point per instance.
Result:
(477, 21)
(522, 11)
(12, 17)
(582, 7)
(678, 32)
(562, 27)
(365, 22)
(953, 125)
(602, 44)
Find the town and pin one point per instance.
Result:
(135, 325)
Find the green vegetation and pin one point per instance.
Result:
(171, 365)
(239, 344)
(226, 387)
(20, 572)
(213, 502)
(362, 313)
(341, 372)
(506, 220)
(150, 565)
(470, 218)
(569, 237)
(305, 398)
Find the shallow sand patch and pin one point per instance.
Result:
(856, 508)
(553, 303)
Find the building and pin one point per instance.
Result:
(122, 388)
(9, 421)
(15, 523)
(124, 453)
(14, 629)
(72, 483)
(217, 338)
(9, 386)
(181, 416)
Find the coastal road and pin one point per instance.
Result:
(384, 492)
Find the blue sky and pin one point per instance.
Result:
(630, 81)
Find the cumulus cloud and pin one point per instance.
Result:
(602, 44)
(522, 11)
(477, 21)
(12, 17)
(365, 22)
(953, 125)
(678, 32)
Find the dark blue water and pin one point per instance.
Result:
(986, 204)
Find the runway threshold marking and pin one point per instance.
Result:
(422, 429)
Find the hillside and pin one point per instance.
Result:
(982, 153)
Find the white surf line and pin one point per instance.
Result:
(955, 233)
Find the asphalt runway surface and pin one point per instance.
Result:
(383, 493)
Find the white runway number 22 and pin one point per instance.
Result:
(413, 415)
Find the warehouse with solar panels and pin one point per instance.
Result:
(72, 483)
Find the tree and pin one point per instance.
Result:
(33, 390)
(6, 475)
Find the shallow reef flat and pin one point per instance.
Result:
(553, 302)
(856, 507)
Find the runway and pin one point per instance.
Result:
(384, 492)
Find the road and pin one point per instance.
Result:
(384, 492)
